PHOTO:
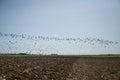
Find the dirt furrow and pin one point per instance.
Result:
(95, 69)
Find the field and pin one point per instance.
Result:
(23, 67)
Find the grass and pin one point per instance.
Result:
(12, 54)
(56, 55)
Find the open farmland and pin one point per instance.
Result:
(35, 68)
(58, 68)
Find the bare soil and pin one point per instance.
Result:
(95, 69)
(58, 68)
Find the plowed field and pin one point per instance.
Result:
(58, 68)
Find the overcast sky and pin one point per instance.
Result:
(73, 18)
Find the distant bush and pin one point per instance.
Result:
(54, 54)
(22, 53)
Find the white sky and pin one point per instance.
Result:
(61, 18)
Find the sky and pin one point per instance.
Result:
(63, 18)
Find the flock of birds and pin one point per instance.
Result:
(69, 40)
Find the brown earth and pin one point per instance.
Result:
(95, 69)
(58, 68)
